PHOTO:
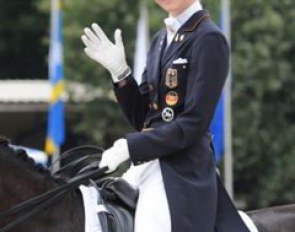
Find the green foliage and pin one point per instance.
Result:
(263, 98)
(101, 122)
(213, 7)
(22, 52)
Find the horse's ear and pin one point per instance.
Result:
(4, 141)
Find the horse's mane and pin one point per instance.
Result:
(21, 155)
(3, 141)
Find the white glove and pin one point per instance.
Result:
(115, 155)
(102, 50)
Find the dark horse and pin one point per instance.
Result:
(20, 180)
(275, 219)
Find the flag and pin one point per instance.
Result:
(142, 42)
(218, 126)
(55, 127)
(217, 130)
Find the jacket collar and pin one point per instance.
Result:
(174, 23)
(194, 21)
(183, 34)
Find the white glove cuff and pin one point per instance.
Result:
(117, 78)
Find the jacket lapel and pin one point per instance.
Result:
(157, 54)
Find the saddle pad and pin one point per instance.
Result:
(248, 221)
(90, 197)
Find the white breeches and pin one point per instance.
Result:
(152, 211)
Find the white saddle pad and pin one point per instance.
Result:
(90, 198)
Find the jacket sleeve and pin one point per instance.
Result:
(207, 74)
(134, 100)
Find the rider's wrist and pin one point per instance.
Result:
(118, 78)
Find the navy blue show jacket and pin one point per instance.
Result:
(190, 88)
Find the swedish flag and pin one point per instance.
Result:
(55, 130)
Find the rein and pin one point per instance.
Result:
(46, 199)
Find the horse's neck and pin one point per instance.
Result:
(18, 183)
(65, 215)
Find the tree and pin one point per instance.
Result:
(263, 97)
(22, 51)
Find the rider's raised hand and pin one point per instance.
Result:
(115, 155)
(110, 55)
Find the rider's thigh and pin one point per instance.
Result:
(152, 212)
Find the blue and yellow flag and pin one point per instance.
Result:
(55, 130)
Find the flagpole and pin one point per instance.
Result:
(228, 157)
(55, 131)
(142, 41)
(55, 160)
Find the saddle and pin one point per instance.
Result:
(117, 196)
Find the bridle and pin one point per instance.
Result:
(41, 202)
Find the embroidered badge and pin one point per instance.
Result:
(171, 98)
(171, 78)
(167, 114)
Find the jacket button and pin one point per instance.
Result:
(155, 106)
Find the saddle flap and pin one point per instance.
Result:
(117, 189)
